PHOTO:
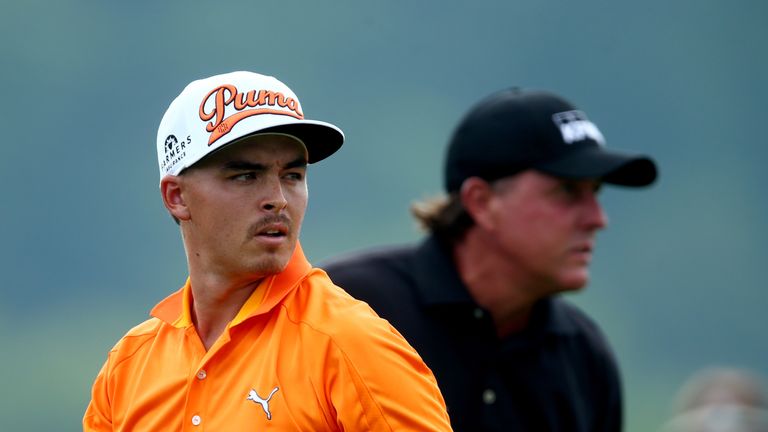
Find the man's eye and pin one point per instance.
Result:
(569, 188)
(244, 176)
(295, 176)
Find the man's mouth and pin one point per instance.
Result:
(583, 250)
(274, 231)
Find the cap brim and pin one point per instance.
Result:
(599, 163)
(322, 139)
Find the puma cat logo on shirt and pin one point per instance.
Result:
(253, 396)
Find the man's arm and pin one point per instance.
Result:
(381, 384)
(98, 414)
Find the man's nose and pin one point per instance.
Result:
(595, 217)
(274, 198)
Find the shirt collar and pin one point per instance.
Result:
(436, 277)
(554, 315)
(176, 309)
(439, 284)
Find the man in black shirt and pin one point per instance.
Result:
(477, 297)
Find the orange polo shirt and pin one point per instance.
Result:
(301, 355)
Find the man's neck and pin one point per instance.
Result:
(216, 301)
(493, 283)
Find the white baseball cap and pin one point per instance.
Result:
(213, 112)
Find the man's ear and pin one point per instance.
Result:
(476, 195)
(171, 190)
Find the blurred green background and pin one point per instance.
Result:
(87, 248)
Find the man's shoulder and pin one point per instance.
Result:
(322, 307)
(572, 315)
(136, 338)
(580, 326)
(381, 258)
(377, 275)
(321, 302)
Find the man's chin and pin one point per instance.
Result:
(270, 263)
(266, 261)
(575, 281)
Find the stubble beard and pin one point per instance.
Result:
(272, 260)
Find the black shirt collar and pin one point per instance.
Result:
(439, 284)
(436, 277)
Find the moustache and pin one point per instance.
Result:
(271, 220)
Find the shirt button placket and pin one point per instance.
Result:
(196, 400)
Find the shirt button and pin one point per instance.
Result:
(489, 397)
(196, 420)
(202, 374)
(479, 313)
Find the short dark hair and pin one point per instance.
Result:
(443, 216)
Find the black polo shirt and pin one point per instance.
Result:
(557, 375)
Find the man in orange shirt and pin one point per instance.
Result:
(257, 338)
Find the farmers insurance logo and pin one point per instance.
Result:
(174, 150)
(574, 126)
(246, 105)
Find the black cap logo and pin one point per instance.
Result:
(574, 126)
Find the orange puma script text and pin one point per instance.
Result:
(246, 105)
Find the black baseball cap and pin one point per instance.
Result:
(513, 130)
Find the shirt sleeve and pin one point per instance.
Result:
(98, 414)
(381, 384)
